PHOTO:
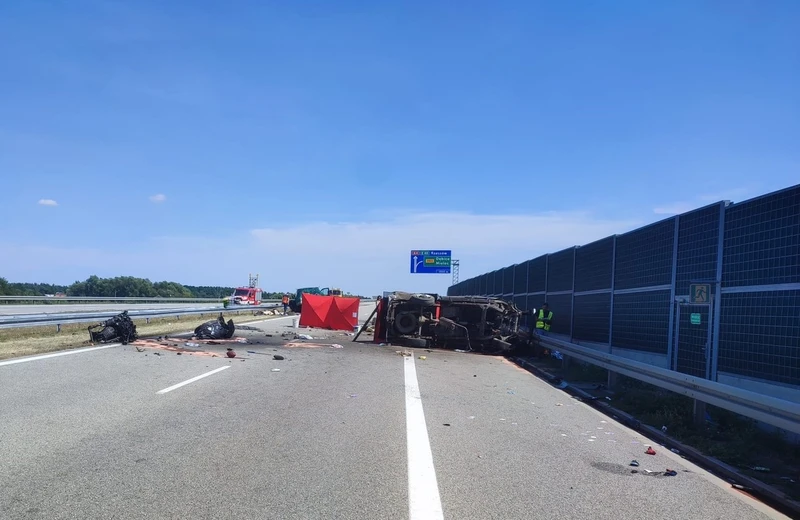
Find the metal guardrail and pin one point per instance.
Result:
(43, 320)
(771, 410)
(112, 299)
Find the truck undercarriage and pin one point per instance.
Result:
(454, 322)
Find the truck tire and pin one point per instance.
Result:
(415, 299)
(406, 322)
(415, 342)
(424, 300)
(500, 345)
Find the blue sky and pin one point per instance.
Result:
(317, 143)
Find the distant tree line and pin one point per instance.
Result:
(121, 287)
(126, 287)
(29, 289)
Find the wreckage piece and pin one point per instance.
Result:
(119, 328)
(215, 329)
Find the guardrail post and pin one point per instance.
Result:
(58, 327)
(147, 320)
(699, 412)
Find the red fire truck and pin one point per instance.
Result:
(250, 295)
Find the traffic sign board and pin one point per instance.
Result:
(699, 293)
(694, 318)
(430, 261)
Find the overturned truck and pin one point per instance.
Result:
(459, 322)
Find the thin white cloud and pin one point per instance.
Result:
(677, 208)
(734, 194)
(359, 256)
(159, 197)
(47, 202)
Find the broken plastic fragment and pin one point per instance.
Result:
(650, 451)
(276, 369)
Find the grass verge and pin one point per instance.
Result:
(40, 340)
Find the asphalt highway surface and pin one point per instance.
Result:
(343, 430)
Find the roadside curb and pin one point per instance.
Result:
(764, 492)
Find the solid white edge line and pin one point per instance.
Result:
(424, 501)
(192, 380)
(57, 354)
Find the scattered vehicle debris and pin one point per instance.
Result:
(230, 353)
(119, 328)
(215, 329)
(278, 357)
(464, 323)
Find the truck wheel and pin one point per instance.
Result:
(499, 344)
(415, 342)
(422, 299)
(406, 323)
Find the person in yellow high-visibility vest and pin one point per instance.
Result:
(544, 319)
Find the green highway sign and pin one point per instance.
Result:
(695, 318)
(700, 293)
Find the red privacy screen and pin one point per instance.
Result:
(329, 312)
